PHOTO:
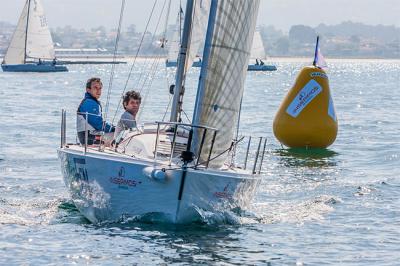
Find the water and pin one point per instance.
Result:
(334, 207)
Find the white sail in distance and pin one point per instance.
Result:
(257, 48)
(16, 50)
(201, 12)
(227, 50)
(32, 30)
(174, 43)
(39, 42)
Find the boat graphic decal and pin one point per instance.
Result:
(80, 170)
(225, 194)
(123, 182)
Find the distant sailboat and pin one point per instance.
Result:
(31, 48)
(258, 53)
(175, 44)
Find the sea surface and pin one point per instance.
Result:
(339, 206)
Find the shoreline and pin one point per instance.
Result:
(129, 58)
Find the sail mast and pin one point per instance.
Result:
(26, 29)
(316, 52)
(180, 72)
(180, 21)
(206, 56)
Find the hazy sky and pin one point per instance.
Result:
(280, 13)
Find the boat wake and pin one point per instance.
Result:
(310, 210)
(201, 217)
(27, 213)
(265, 213)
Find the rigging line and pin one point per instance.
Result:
(147, 91)
(147, 64)
(148, 61)
(151, 82)
(151, 73)
(134, 60)
(187, 117)
(144, 68)
(144, 90)
(146, 86)
(202, 163)
(152, 41)
(110, 83)
(237, 128)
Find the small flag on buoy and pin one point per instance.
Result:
(319, 60)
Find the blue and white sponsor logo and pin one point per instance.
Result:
(303, 98)
(331, 109)
(318, 74)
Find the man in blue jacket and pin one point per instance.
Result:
(91, 105)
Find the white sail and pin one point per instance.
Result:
(39, 42)
(257, 49)
(32, 31)
(16, 50)
(227, 50)
(201, 12)
(193, 33)
(174, 42)
(200, 17)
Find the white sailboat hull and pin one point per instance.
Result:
(107, 187)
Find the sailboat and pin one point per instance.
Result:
(172, 170)
(175, 43)
(31, 48)
(258, 54)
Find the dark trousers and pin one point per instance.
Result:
(91, 138)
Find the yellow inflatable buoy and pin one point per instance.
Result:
(306, 117)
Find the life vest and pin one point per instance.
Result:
(81, 120)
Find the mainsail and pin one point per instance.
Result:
(257, 48)
(226, 54)
(16, 50)
(39, 42)
(32, 36)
